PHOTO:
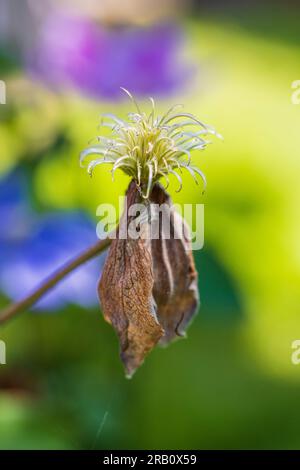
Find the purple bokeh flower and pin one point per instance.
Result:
(97, 61)
(33, 246)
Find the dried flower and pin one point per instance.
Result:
(148, 148)
(148, 289)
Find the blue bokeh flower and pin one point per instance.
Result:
(32, 246)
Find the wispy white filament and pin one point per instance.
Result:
(148, 148)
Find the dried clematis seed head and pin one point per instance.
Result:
(148, 288)
(149, 147)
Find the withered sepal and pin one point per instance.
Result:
(148, 288)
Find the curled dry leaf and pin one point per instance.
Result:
(148, 289)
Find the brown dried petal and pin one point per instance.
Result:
(125, 292)
(148, 288)
(175, 277)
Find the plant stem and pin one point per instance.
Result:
(18, 307)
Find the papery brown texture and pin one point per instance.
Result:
(175, 277)
(125, 291)
(148, 289)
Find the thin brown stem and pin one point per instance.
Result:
(18, 307)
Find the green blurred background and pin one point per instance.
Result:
(231, 384)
